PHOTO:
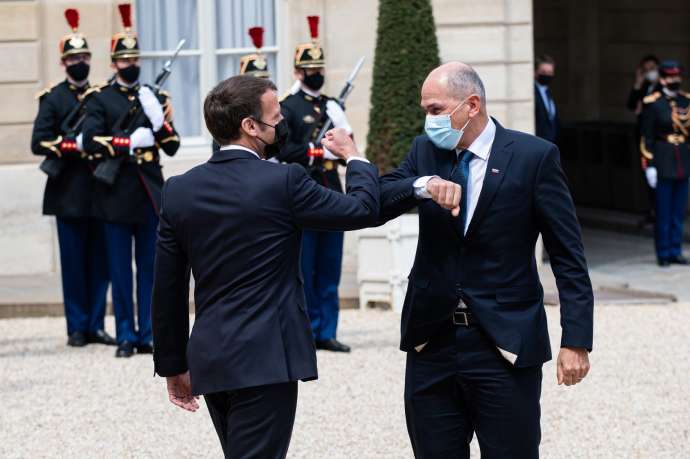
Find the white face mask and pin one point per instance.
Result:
(652, 76)
(440, 131)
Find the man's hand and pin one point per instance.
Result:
(651, 175)
(446, 194)
(339, 142)
(572, 365)
(180, 392)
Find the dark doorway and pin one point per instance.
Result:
(597, 45)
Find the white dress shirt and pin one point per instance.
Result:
(481, 149)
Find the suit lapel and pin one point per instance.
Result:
(496, 170)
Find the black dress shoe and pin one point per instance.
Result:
(332, 345)
(101, 337)
(144, 349)
(663, 262)
(124, 349)
(679, 260)
(76, 339)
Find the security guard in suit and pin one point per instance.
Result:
(125, 128)
(254, 64)
(57, 137)
(306, 111)
(665, 125)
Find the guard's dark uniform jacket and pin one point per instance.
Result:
(140, 178)
(305, 115)
(68, 194)
(665, 134)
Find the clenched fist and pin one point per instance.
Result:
(446, 194)
(339, 142)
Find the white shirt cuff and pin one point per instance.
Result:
(357, 158)
(420, 187)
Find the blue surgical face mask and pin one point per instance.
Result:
(441, 132)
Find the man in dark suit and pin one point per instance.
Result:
(546, 121)
(473, 323)
(237, 222)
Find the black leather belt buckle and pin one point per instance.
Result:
(461, 318)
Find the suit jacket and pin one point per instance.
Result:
(545, 127)
(237, 222)
(139, 181)
(493, 268)
(68, 194)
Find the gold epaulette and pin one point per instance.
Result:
(45, 91)
(93, 89)
(652, 97)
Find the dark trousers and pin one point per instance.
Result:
(322, 256)
(671, 205)
(254, 422)
(460, 384)
(119, 241)
(84, 273)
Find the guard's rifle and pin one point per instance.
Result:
(132, 118)
(70, 127)
(316, 152)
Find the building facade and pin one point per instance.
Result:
(495, 36)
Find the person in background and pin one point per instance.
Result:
(129, 205)
(546, 121)
(646, 82)
(68, 193)
(665, 129)
(305, 111)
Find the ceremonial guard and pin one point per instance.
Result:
(57, 136)
(306, 111)
(664, 146)
(126, 125)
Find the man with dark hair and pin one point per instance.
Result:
(546, 122)
(237, 222)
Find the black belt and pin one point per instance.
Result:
(463, 318)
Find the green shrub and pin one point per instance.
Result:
(406, 51)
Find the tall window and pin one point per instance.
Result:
(216, 33)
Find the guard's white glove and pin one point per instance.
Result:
(651, 175)
(141, 137)
(152, 108)
(337, 115)
(80, 142)
(328, 155)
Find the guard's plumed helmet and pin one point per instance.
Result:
(255, 64)
(124, 44)
(75, 42)
(310, 55)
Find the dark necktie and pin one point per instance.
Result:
(460, 176)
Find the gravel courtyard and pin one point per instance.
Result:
(64, 402)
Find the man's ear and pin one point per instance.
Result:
(249, 126)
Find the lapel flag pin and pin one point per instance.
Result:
(495, 171)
